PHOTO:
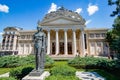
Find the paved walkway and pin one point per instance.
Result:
(5, 75)
(89, 76)
(80, 75)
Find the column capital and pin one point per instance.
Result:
(48, 30)
(73, 29)
(82, 29)
(65, 30)
(56, 30)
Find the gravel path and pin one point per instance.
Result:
(89, 76)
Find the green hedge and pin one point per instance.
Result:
(88, 62)
(95, 63)
(19, 72)
(15, 61)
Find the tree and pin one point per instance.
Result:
(113, 36)
(117, 10)
(116, 26)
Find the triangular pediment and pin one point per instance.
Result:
(60, 21)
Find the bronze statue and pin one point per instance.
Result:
(40, 49)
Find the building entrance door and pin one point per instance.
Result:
(69, 47)
(53, 48)
(61, 47)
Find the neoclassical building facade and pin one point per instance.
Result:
(66, 33)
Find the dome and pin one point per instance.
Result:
(62, 12)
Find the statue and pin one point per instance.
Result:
(40, 49)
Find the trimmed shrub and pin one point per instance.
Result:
(112, 66)
(88, 62)
(63, 70)
(15, 61)
(9, 61)
(19, 72)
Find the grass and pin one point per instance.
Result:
(4, 70)
(103, 73)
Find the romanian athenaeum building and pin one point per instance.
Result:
(67, 35)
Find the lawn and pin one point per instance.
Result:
(103, 73)
(4, 70)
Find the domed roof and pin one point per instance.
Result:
(62, 12)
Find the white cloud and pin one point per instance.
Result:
(1, 33)
(92, 9)
(87, 22)
(79, 10)
(52, 8)
(4, 8)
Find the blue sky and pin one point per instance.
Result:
(26, 13)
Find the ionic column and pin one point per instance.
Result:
(65, 43)
(57, 43)
(82, 44)
(74, 42)
(5, 42)
(48, 42)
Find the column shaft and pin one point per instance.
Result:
(74, 42)
(48, 43)
(57, 43)
(65, 43)
(82, 44)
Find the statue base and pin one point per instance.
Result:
(35, 73)
(37, 76)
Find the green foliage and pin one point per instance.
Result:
(89, 62)
(112, 66)
(20, 72)
(105, 74)
(15, 61)
(9, 61)
(49, 62)
(59, 77)
(7, 78)
(114, 44)
(116, 26)
(63, 70)
(117, 10)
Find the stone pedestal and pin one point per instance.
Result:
(35, 76)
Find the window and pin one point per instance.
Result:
(6, 48)
(8, 36)
(12, 36)
(28, 36)
(103, 34)
(91, 35)
(22, 45)
(85, 41)
(10, 48)
(92, 44)
(27, 45)
(22, 36)
(13, 32)
(97, 35)
(99, 44)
